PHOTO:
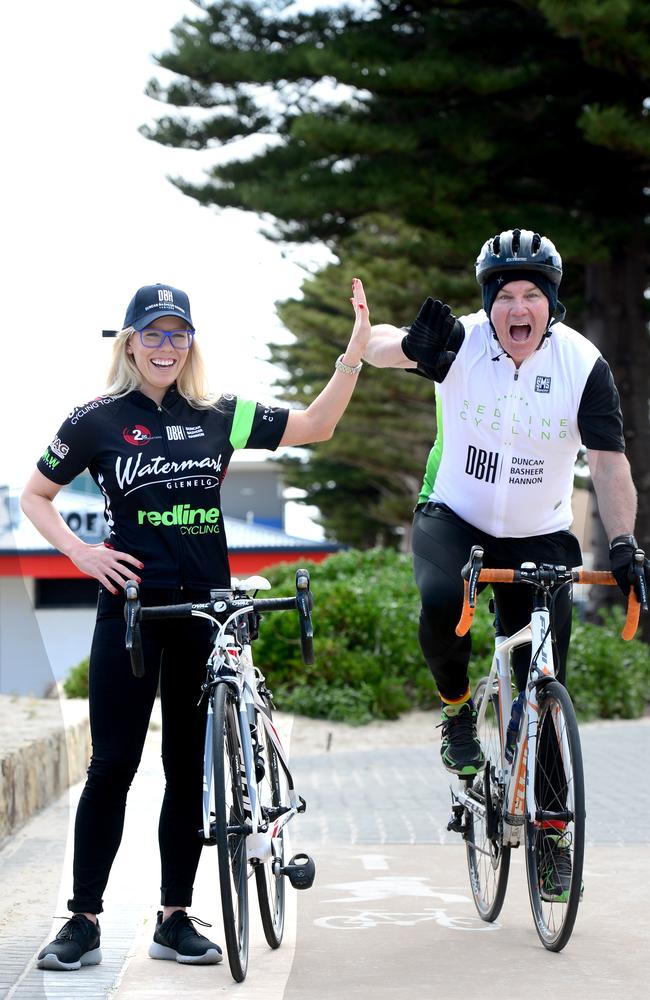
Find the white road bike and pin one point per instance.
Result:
(531, 790)
(248, 790)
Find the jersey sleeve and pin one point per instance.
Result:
(255, 425)
(600, 420)
(68, 453)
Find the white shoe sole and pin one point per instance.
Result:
(54, 964)
(211, 957)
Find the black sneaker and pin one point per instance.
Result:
(76, 944)
(177, 940)
(555, 868)
(460, 748)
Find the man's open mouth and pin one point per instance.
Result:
(520, 333)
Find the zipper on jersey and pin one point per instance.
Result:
(502, 490)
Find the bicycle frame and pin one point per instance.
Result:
(516, 777)
(231, 663)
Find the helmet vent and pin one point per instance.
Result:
(518, 249)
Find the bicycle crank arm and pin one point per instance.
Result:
(470, 803)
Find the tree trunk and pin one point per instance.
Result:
(616, 324)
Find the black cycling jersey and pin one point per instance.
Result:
(160, 469)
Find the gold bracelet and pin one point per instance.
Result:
(341, 366)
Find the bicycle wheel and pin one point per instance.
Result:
(555, 834)
(230, 829)
(273, 793)
(487, 859)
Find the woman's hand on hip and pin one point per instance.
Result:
(110, 567)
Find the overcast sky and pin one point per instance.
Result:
(88, 216)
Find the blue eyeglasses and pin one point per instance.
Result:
(180, 339)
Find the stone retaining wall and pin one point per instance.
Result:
(44, 748)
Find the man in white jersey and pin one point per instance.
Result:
(517, 393)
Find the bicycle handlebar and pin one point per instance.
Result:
(543, 576)
(220, 600)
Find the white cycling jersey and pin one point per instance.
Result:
(507, 438)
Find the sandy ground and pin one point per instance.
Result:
(316, 736)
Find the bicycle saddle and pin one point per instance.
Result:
(250, 583)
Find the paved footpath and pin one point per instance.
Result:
(390, 914)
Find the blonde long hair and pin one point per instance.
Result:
(192, 383)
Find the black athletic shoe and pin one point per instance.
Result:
(460, 748)
(176, 939)
(555, 868)
(76, 944)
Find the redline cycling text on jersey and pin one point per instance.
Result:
(160, 470)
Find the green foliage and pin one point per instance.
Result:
(366, 478)
(607, 677)
(438, 110)
(457, 120)
(76, 683)
(368, 662)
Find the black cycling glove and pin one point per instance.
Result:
(628, 570)
(435, 335)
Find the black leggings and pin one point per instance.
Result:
(441, 547)
(120, 707)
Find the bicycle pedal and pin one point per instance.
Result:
(209, 841)
(455, 824)
(300, 871)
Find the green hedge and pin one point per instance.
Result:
(76, 683)
(368, 663)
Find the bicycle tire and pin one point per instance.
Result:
(555, 917)
(488, 861)
(271, 887)
(230, 824)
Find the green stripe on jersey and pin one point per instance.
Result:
(435, 457)
(242, 422)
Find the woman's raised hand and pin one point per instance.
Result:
(361, 330)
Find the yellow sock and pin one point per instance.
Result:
(452, 706)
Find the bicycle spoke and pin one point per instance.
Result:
(488, 861)
(230, 830)
(555, 843)
(273, 795)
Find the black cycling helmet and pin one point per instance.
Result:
(519, 249)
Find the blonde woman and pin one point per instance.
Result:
(158, 445)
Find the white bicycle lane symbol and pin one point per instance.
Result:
(392, 886)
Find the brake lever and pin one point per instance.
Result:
(471, 572)
(304, 603)
(133, 638)
(638, 582)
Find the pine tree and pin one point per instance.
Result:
(460, 118)
(366, 479)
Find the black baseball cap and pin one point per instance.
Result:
(152, 301)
